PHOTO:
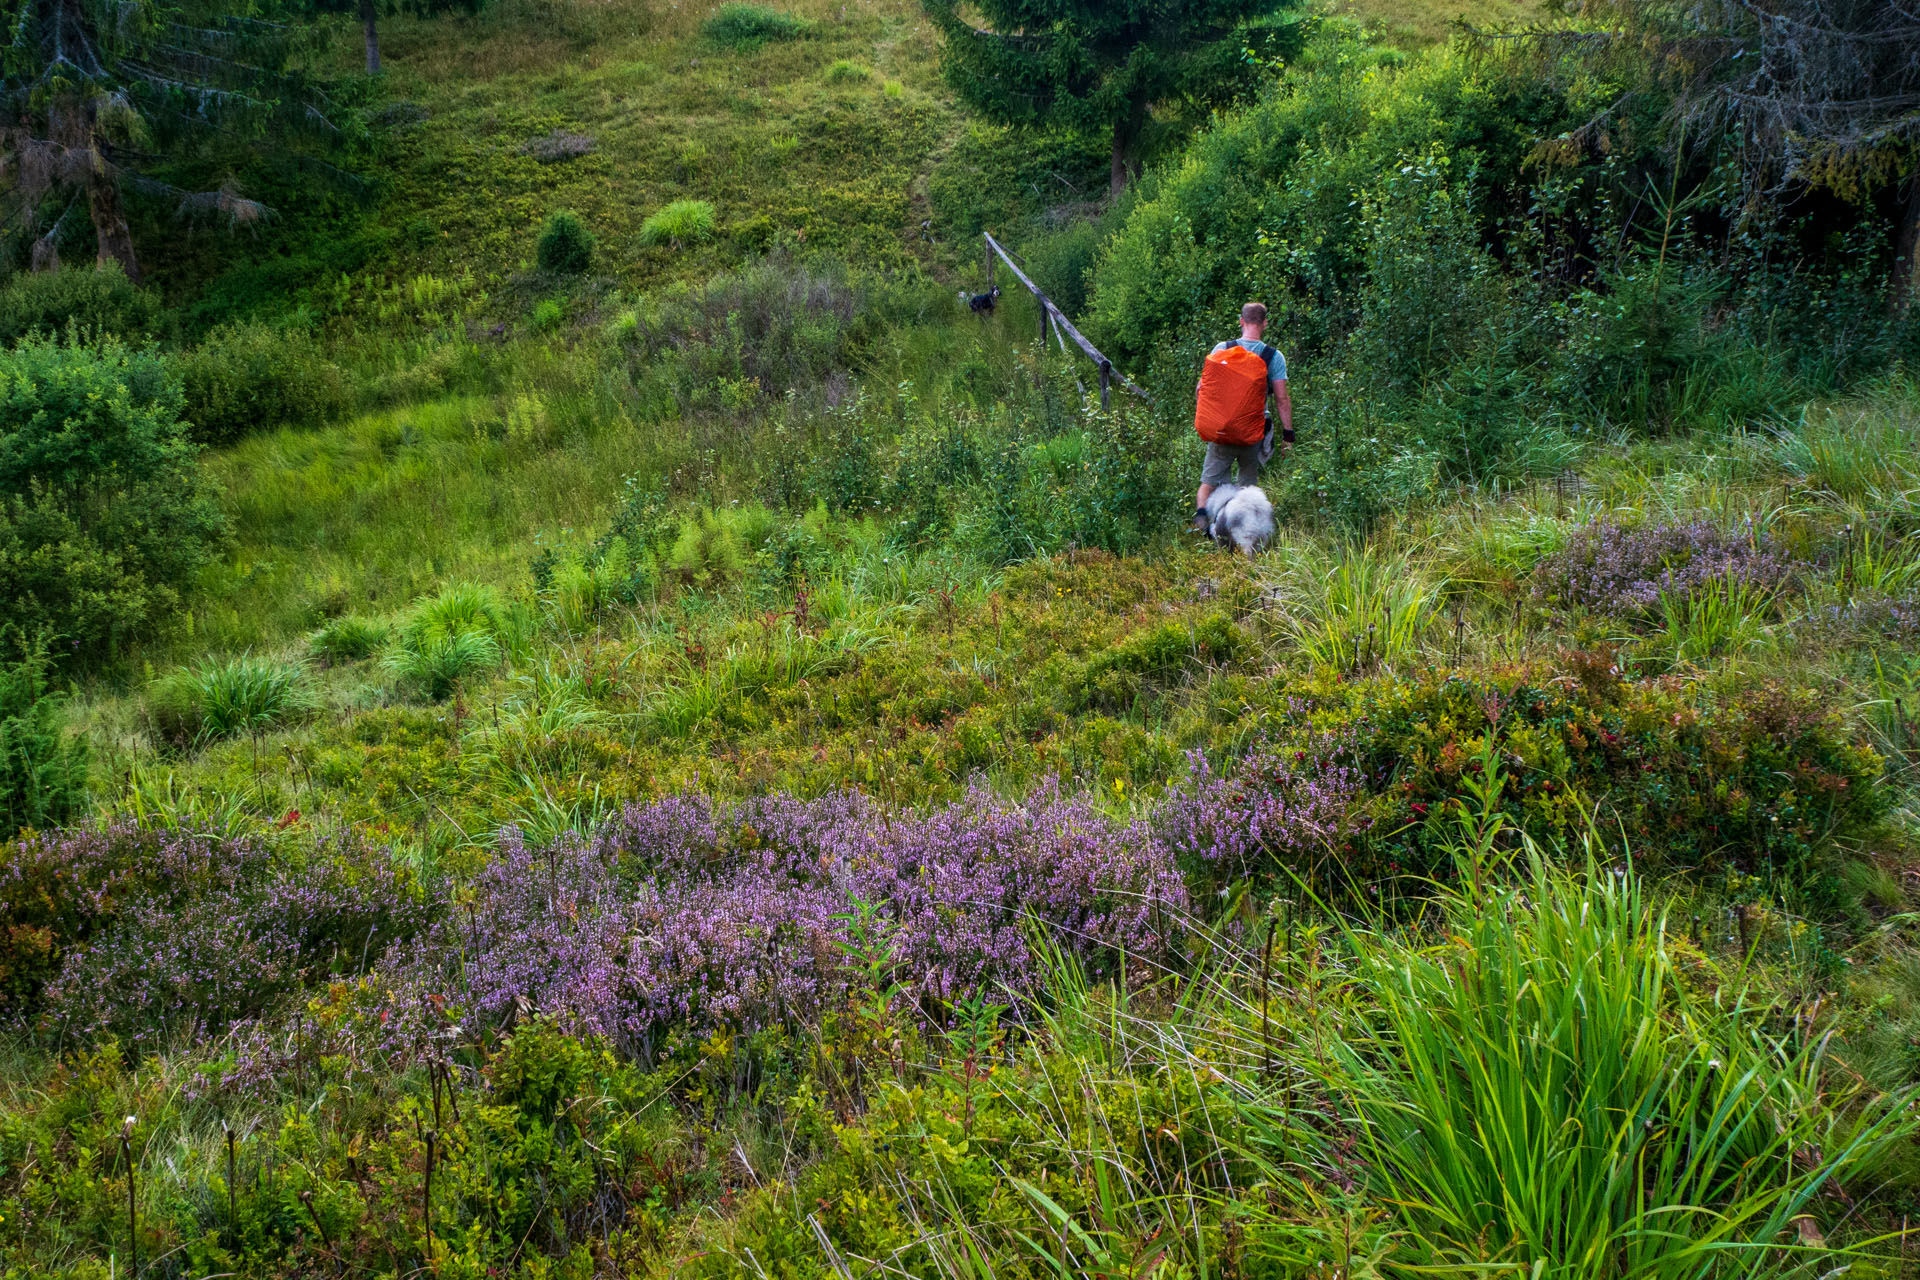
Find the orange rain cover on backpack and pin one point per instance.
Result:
(1232, 405)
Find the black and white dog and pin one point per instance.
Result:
(1240, 518)
(981, 303)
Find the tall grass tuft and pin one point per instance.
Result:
(1719, 617)
(439, 662)
(1543, 1089)
(240, 697)
(449, 637)
(678, 223)
(1855, 457)
(1358, 606)
(348, 639)
(462, 607)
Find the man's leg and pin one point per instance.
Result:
(1213, 473)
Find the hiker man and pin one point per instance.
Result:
(1230, 409)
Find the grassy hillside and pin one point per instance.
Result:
(724, 763)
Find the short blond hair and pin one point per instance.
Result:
(1254, 313)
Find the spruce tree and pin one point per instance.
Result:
(1100, 66)
(96, 96)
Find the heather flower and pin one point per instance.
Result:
(1873, 618)
(1624, 571)
(1280, 807)
(670, 916)
(188, 933)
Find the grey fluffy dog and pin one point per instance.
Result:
(1240, 517)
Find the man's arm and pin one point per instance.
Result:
(1283, 403)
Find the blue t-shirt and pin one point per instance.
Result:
(1276, 363)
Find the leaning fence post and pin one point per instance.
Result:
(989, 252)
(1106, 381)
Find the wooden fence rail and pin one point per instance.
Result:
(1050, 314)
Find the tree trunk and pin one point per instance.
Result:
(369, 24)
(110, 231)
(1126, 145)
(1906, 256)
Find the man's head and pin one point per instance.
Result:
(1253, 320)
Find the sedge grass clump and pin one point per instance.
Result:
(1546, 1084)
(847, 71)
(449, 637)
(681, 222)
(1360, 605)
(1715, 618)
(239, 697)
(746, 27)
(1860, 456)
(348, 639)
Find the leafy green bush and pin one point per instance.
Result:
(104, 514)
(43, 771)
(240, 697)
(254, 377)
(98, 298)
(1766, 780)
(547, 314)
(679, 223)
(746, 27)
(565, 246)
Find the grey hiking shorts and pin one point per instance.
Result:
(1224, 459)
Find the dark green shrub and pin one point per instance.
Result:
(1061, 263)
(99, 298)
(565, 246)
(1763, 782)
(746, 27)
(43, 772)
(254, 377)
(104, 515)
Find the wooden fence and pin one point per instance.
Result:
(1052, 317)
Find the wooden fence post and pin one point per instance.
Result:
(1057, 322)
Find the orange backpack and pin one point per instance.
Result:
(1232, 405)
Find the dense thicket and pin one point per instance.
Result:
(104, 513)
